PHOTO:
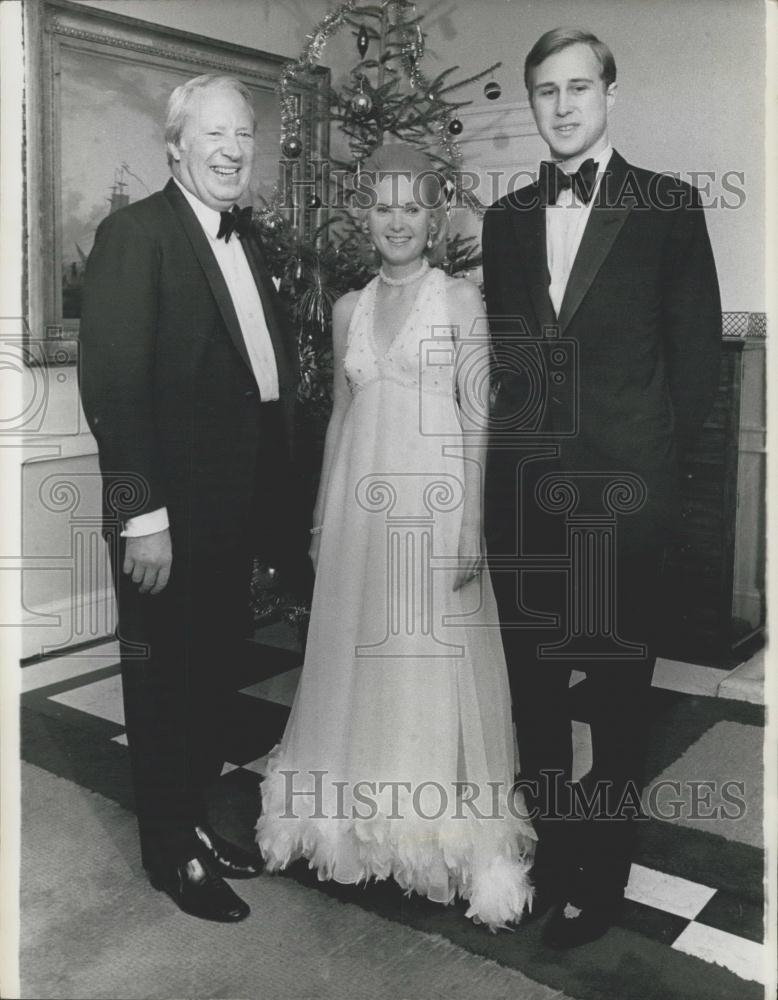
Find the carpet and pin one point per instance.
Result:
(696, 901)
(92, 927)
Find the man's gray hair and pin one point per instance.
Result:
(179, 100)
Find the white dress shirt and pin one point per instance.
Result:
(565, 224)
(235, 269)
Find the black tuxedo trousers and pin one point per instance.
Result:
(585, 832)
(182, 653)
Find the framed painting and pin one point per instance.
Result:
(99, 85)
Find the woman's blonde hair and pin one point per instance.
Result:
(398, 159)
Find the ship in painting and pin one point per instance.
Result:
(73, 272)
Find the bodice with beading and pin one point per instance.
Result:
(421, 355)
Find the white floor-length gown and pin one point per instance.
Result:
(398, 757)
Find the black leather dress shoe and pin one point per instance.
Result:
(570, 925)
(226, 859)
(200, 892)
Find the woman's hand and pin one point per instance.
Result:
(471, 558)
(313, 551)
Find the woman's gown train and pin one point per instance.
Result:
(398, 758)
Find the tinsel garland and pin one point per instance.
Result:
(315, 42)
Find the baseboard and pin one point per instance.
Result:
(58, 625)
(748, 605)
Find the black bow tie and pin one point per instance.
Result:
(237, 220)
(552, 179)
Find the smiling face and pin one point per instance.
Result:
(397, 223)
(570, 103)
(214, 155)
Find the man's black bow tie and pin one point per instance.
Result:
(552, 180)
(237, 220)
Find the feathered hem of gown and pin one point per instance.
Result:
(485, 861)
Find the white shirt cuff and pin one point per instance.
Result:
(146, 524)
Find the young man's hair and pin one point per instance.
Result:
(562, 38)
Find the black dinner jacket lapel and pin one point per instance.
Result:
(215, 278)
(608, 215)
(529, 223)
(212, 271)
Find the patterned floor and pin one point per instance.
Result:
(695, 889)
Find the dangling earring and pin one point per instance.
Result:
(430, 237)
(371, 254)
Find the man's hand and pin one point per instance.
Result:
(147, 559)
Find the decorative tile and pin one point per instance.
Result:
(582, 749)
(279, 689)
(688, 678)
(257, 766)
(667, 892)
(733, 913)
(103, 699)
(64, 668)
(746, 959)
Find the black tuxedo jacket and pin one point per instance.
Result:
(640, 327)
(166, 382)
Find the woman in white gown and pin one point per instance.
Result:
(398, 758)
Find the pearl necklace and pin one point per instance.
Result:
(408, 279)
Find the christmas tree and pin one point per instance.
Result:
(385, 97)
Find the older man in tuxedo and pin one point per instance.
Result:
(605, 315)
(187, 382)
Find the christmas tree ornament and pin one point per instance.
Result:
(292, 146)
(361, 104)
(313, 202)
(396, 27)
(455, 126)
(492, 90)
(363, 40)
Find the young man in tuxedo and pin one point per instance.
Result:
(188, 383)
(605, 316)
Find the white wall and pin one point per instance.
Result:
(277, 26)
